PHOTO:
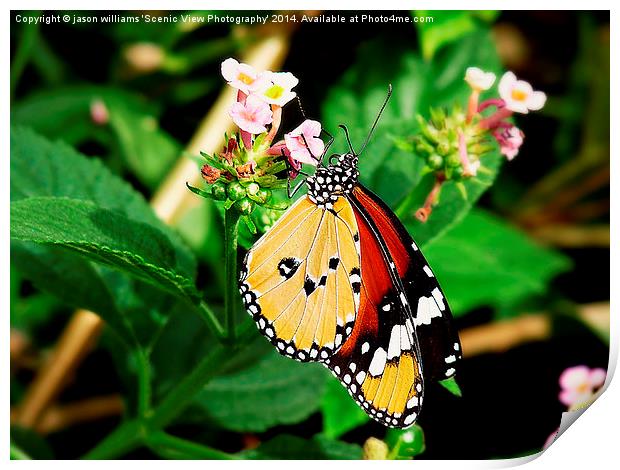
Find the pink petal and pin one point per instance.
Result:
(536, 100)
(311, 128)
(574, 377)
(284, 79)
(317, 146)
(597, 377)
(571, 397)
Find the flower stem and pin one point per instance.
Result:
(173, 447)
(211, 320)
(231, 226)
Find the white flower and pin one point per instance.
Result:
(278, 89)
(519, 95)
(478, 79)
(243, 76)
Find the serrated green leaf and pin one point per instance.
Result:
(340, 413)
(452, 386)
(286, 447)
(485, 261)
(104, 236)
(273, 391)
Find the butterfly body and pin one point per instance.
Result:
(339, 280)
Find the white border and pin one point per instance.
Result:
(589, 444)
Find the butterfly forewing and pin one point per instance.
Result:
(300, 281)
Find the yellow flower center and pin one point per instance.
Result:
(518, 95)
(274, 92)
(242, 77)
(582, 388)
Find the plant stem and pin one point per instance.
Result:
(123, 439)
(231, 225)
(211, 320)
(144, 382)
(24, 50)
(176, 448)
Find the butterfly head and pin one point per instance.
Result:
(333, 181)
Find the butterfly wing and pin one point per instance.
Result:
(300, 281)
(379, 364)
(439, 341)
(403, 331)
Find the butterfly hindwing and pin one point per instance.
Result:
(379, 364)
(300, 281)
(439, 342)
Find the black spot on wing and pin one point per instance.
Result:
(309, 286)
(333, 263)
(287, 267)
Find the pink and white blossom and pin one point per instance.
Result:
(478, 79)
(251, 116)
(243, 76)
(277, 90)
(510, 141)
(519, 96)
(579, 384)
(304, 142)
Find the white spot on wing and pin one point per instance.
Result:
(450, 372)
(361, 375)
(428, 271)
(450, 359)
(377, 365)
(410, 419)
(414, 246)
(394, 345)
(365, 347)
(427, 310)
(439, 298)
(413, 401)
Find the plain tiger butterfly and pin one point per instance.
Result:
(339, 280)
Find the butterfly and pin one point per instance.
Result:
(339, 280)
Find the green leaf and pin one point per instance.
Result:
(132, 127)
(286, 447)
(452, 386)
(29, 444)
(394, 173)
(447, 27)
(273, 391)
(340, 413)
(405, 443)
(105, 236)
(484, 261)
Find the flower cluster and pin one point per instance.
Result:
(250, 164)
(453, 143)
(578, 386)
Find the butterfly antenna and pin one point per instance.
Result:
(346, 134)
(372, 129)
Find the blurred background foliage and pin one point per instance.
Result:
(100, 113)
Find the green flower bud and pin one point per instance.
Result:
(218, 190)
(443, 148)
(457, 173)
(435, 162)
(252, 189)
(236, 191)
(453, 160)
(245, 206)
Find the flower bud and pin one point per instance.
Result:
(218, 190)
(252, 189)
(374, 449)
(453, 160)
(235, 191)
(435, 162)
(245, 206)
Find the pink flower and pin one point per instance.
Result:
(277, 90)
(510, 140)
(519, 95)
(243, 76)
(99, 112)
(251, 116)
(579, 383)
(303, 150)
(478, 79)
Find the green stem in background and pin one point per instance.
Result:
(144, 382)
(211, 320)
(24, 50)
(131, 434)
(173, 447)
(231, 225)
